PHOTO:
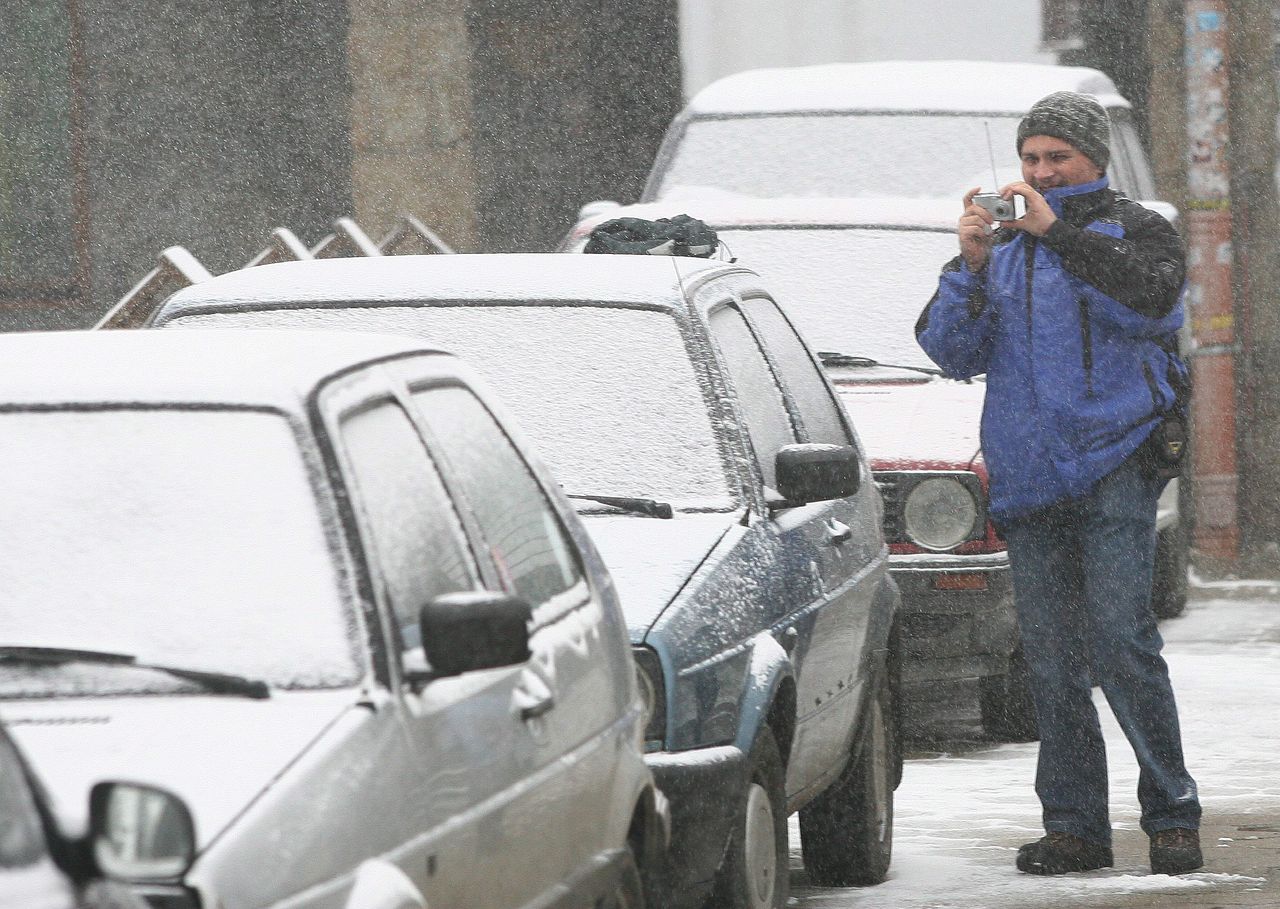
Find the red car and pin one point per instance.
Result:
(854, 275)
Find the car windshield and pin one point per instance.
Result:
(859, 155)
(607, 394)
(183, 537)
(852, 290)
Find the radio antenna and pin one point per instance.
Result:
(995, 181)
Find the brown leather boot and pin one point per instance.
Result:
(1061, 853)
(1176, 851)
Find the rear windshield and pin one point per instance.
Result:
(190, 538)
(607, 395)
(856, 155)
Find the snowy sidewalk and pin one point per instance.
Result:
(964, 808)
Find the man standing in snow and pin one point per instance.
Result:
(1071, 311)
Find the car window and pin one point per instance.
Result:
(809, 390)
(763, 407)
(187, 537)
(1140, 184)
(529, 545)
(21, 835)
(608, 395)
(839, 154)
(417, 537)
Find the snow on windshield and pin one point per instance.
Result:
(843, 155)
(607, 395)
(853, 291)
(190, 538)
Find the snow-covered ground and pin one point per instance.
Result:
(963, 809)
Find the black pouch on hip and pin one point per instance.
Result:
(1168, 442)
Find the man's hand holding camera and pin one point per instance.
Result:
(978, 222)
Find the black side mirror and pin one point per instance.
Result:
(140, 833)
(815, 472)
(463, 632)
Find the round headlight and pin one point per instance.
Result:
(939, 513)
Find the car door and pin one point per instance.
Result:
(800, 538)
(850, 546)
(573, 689)
(473, 757)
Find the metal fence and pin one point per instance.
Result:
(178, 268)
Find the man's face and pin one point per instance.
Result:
(1049, 162)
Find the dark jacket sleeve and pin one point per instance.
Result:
(1144, 270)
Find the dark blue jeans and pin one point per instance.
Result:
(1082, 573)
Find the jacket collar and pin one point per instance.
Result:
(1067, 201)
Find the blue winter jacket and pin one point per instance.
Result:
(1076, 332)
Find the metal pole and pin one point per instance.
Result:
(1210, 303)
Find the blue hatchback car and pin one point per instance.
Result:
(729, 496)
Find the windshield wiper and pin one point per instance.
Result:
(639, 506)
(831, 358)
(217, 682)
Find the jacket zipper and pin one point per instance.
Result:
(1086, 346)
(1030, 247)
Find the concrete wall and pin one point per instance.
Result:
(207, 128)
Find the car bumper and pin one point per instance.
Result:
(950, 634)
(704, 788)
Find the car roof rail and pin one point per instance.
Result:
(284, 247)
(178, 268)
(348, 239)
(411, 237)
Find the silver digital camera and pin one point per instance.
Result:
(1001, 209)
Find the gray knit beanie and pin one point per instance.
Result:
(1072, 117)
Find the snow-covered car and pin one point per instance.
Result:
(854, 275)
(39, 866)
(885, 129)
(730, 499)
(314, 589)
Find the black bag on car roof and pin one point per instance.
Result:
(680, 235)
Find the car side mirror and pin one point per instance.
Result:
(816, 472)
(470, 630)
(140, 833)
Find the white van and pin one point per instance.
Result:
(895, 128)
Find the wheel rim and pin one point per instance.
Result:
(759, 848)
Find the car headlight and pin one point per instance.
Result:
(653, 692)
(939, 513)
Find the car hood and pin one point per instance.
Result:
(651, 559)
(216, 753)
(916, 424)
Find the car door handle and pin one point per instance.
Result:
(839, 532)
(533, 697)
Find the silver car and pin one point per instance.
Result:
(314, 589)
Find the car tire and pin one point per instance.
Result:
(1008, 712)
(1169, 584)
(846, 833)
(628, 892)
(755, 873)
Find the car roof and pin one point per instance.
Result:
(958, 86)
(237, 367)
(389, 280)
(727, 212)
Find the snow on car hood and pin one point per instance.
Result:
(216, 753)
(917, 424)
(650, 559)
